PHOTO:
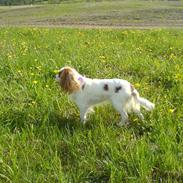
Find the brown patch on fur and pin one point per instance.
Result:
(132, 87)
(117, 89)
(67, 80)
(106, 87)
(60, 72)
(132, 90)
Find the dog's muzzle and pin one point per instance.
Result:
(57, 78)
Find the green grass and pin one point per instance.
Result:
(136, 13)
(42, 139)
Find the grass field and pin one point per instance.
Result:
(42, 139)
(116, 13)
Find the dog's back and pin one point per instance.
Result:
(98, 90)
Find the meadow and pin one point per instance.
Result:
(115, 13)
(42, 139)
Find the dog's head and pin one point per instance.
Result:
(68, 80)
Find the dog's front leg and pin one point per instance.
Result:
(83, 108)
(83, 112)
(83, 117)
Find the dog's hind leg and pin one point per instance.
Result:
(139, 114)
(124, 118)
(124, 115)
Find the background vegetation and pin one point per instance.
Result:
(42, 139)
(119, 14)
(25, 2)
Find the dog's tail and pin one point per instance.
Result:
(146, 103)
(142, 101)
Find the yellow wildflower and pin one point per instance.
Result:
(56, 71)
(171, 110)
(10, 56)
(102, 57)
(33, 102)
(137, 85)
(172, 56)
(35, 82)
(38, 67)
(177, 76)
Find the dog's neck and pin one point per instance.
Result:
(81, 80)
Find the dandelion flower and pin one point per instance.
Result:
(35, 82)
(177, 76)
(56, 71)
(171, 110)
(137, 85)
(33, 102)
(102, 57)
(38, 67)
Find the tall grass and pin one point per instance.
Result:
(42, 139)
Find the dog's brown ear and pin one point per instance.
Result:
(68, 82)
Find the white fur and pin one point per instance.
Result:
(93, 91)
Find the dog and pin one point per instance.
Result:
(87, 92)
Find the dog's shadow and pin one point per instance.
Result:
(139, 128)
(70, 124)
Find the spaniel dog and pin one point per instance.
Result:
(88, 92)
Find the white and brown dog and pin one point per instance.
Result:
(88, 92)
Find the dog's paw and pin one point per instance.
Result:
(90, 110)
(123, 124)
(84, 121)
